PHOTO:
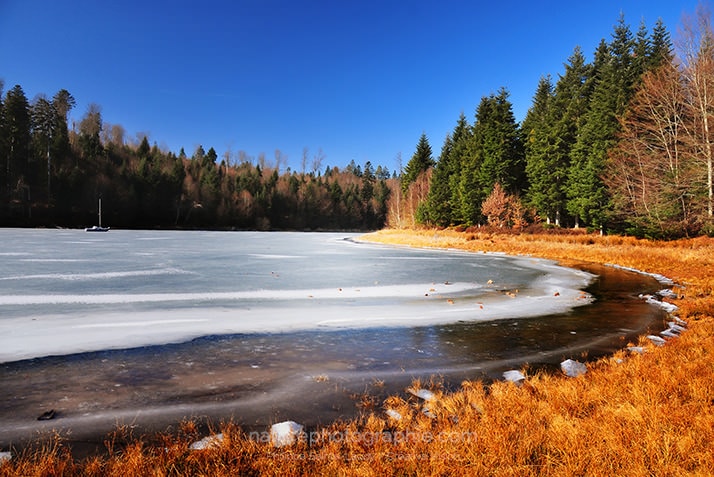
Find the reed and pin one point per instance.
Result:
(631, 414)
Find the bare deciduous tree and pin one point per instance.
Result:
(696, 52)
(317, 160)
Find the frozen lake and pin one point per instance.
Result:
(107, 327)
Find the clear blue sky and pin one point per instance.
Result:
(360, 79)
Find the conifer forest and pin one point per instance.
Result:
(622, 143)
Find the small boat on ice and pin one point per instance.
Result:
(98, 228)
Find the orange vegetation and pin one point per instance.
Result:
(631, 414)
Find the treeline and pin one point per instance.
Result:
(622, 144)
(54, 176)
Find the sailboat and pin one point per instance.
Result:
(98, 228)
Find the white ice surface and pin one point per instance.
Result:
(94, 324)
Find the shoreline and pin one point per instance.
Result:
(633, 413)
(320, 404)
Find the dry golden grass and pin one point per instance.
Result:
(631, 414)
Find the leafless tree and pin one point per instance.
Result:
(651, 171)
(696, 52)
(317, 160)
(303, 162)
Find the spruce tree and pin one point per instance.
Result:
(17, 136)
(536, 133)
(62, 102)
(495, 155)
(661, 49)
(588, 200)
(437, 208)
(497, 137)
(420, 162)
(443, 201)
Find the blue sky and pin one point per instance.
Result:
(361, 80)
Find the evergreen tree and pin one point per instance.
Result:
(641, 54)
(62, 102)
(436, 210)
(542, 190)
(443, 202)
(565, 120)
(617, 78)
(661, 50)
(17, 137)
(420, 162)
(43, 118)
(496, 155)
(497, 135)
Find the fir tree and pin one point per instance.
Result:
(495, 154)
(497, 138)
(420, 162)
(443, 200)
(17, 136)
(661, 50)
(536, 132)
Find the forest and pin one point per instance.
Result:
(54, 176)
(620, 144)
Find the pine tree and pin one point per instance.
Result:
(495, 154)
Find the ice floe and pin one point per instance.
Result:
(208, 442)
(660, 278)
(573, 368)
(514, 376)
(424, 394)
(286, 433)
(656, 340)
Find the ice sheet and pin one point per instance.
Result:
(97, 329)
(139, 288)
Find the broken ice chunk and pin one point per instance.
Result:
(513, 376)
(285, 433)
(207, 442)
(656, 340)
(573, 368)
(424, 394)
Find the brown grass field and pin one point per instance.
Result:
(631, 414)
